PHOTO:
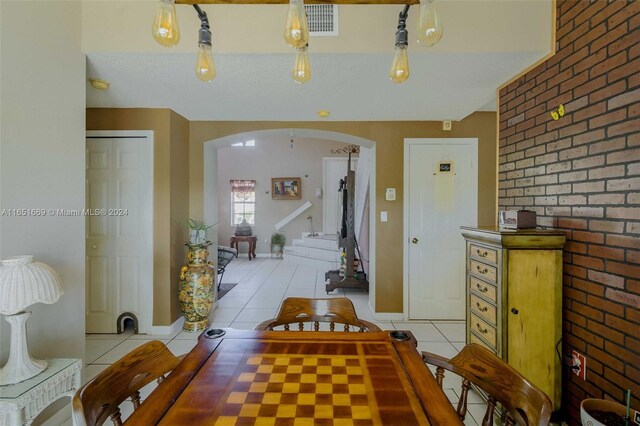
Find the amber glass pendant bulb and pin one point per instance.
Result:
(301, 71)
(165, 25)
(429, 24)
(400, 68)
(205, 67)
(296, 32)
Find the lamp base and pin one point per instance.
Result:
(20, 366)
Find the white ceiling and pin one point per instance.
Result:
(354, 87)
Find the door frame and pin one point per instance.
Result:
(145, 324)
(408, 142)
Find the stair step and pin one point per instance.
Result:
(329, 244)
(309, 261)
(316, 253)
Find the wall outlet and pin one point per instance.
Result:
(579, 361)
(446, 126)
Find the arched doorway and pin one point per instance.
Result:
(210, 186)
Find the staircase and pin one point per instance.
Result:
(321, 252)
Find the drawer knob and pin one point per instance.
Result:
(482, 253)
(482, 289)
(514, 311)
(480, 329)
(483, 308)
(482, 271)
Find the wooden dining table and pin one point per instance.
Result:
(247, 377)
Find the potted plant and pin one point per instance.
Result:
(602, 412)
(198, 231)
(277, 244)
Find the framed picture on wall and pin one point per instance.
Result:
(286, 188)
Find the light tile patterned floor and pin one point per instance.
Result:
(262, 285)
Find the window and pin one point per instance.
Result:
(243, 201)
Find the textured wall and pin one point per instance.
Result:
(582, 174)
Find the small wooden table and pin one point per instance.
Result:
(251, 239)
(279, 377)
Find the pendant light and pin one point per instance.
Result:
(296, 32)
(205, 67)
(301, 71)
(165, 25)
(400, 68)
(429, 24)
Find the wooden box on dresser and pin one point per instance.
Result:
(514, 300)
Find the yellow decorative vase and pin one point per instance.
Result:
(196, 288)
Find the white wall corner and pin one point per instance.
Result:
(166, 330)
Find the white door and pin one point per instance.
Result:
(119, 264)
(441, 192)
(334, 169)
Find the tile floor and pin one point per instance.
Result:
(262, 285)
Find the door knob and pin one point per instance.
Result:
(414, 240)
(514, 311)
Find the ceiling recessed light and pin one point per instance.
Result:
(99, 84)
(323, 113)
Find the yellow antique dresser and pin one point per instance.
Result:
(514, 300)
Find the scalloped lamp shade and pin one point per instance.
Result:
(23, 283)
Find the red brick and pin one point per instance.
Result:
(608, 37)
(608, 64)
(624, 127)
(620, 324)
(607, 91)
(623, 241)
(623, 156)
(607, 145)
(607, 119)
(606, 279)
(605, 305)
(631, 184)
(588, 262)
(605, 358)
(588, 336)
(621, 381)
(622, 353)
(573, 130)
(612, 8)
(625, 98)
(606, 172)
(572, 223)
(574, 81)
(587, 311)
(588, 237)
(575, 271)
(633, 256)
(622, 297)
(606, 252)
(624, 269)
(606, 332)
(575, 318)
(630, 68)
(606, 199)
(623, 212)
(606, 226)
(629, 10)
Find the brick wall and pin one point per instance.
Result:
(581, 173)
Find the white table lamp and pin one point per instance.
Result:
(23, 283)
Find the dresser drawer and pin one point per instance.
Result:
(475, 339)
(484, 309)
(481, 328)
(479, 286)
(489, 273)
(487, 255)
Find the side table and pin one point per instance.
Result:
(20, 403)
(251, 239)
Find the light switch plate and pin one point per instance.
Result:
(383, 216)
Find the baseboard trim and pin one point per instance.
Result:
(385, 316)
(160, 330)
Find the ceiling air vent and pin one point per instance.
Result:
(323, 19)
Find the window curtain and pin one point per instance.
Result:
(243, 186)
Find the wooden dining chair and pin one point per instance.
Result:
(100, 398)
(524, 403)
(300, 310)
